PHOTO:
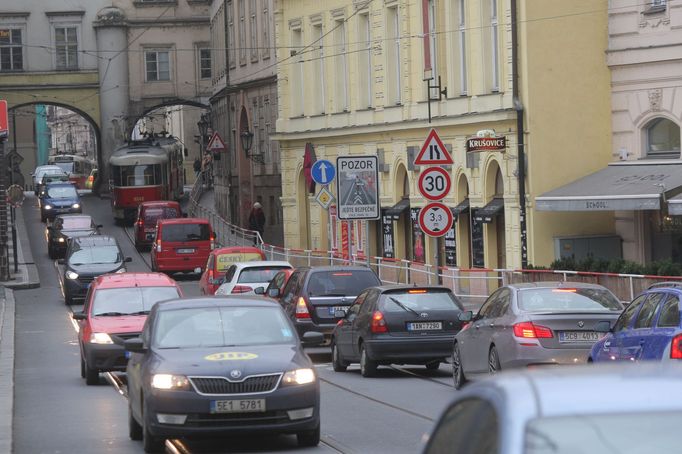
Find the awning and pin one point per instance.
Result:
(488, 212)
(462, 207)
(675, 206)
(397, 209)
(620, 186)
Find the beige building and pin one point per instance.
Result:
(351, 82)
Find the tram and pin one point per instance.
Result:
(142, 171)
(76, 166)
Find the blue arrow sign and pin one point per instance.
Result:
(323, 171)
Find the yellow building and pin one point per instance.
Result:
(351, 81)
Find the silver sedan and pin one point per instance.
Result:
(521, 325)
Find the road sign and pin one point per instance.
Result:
(434, 183)
(433, 152)
(435, 219)
(216, 143)
(4, 123)
(15, 195)
(357, 187)
(323, 171)
(324, 198)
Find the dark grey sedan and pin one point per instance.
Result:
(522, 325)
(219, 366)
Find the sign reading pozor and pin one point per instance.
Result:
(357, 187)
(487, 144)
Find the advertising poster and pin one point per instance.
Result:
(477, 256)
(387, 235)
(418, 237)
(451, 247)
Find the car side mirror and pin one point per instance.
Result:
(99, 226)
(312, 339)
(259, 290)
(603, 326)
(465, 316)
(128, 259)
(134, 345)
(79, 316)
(61, 262)
(273, 293)
(339, 313)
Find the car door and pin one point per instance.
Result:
(611, 348)
(634, 339)
(362, 322)
(134, 370)
(666, 326)
(344, 331)
(290, 293)
(475, 351)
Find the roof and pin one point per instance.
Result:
(135, 280)
(183, 221)
(261, 263)
(675, 205)
(47, 167)
(160, 203)
(95, 240)
(235, 249)
(217, 301)
(553, 284)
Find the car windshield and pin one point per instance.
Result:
(258, 274)
(223, 261)
(420, 300)
(151, 215)
(568, 300)
(43, 172)
(78, 223)
(185, 232)
(616, 433)
(65, 166)
(222, 327)
(95, 255)
(349, 282)
(62, 192)
(130, 300)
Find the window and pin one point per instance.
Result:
(205, 63)
(230, 31)
(341, 78)
(670, 313)
(253, 29)
(11, 51)
(654, 6)
(157, 64)
(488, 308)
(662, 138)
(66, 45)
(393, 55)
(494, 47)
(265, 23)
(470, 425)
(318, 68)
(296, 73)
(242, 32)
(462, 48)
(628, 314)
(364, 62)
(646, 315)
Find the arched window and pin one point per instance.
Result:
(662, 138)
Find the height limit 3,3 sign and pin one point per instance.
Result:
(434, 183)
(357, 187)
(435, 219)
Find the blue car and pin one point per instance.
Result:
(648, 329)
(59, 198)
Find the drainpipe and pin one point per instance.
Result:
(520, 140)
(230, 145)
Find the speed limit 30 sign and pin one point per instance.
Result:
(435, 219)
(434, 183)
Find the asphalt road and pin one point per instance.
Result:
(55, 412)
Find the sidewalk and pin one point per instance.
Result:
(27, 271)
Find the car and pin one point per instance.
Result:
(59, 198)
(209, 366)
(532, 324)
(115, 309)
(615, 408)
(50, 178)
(276, 285)
(220, 260)
(313, 295)
(648, 329)
(42, 170)
(91, 179)
(245, 277)
(86, 258)
(396, 324)
(147, 214)
(182, 245)
(67, 226)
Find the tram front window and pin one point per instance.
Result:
(67, 167)
(139, 175)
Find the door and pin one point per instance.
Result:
(612, 344)
(290, 292)
(361, 324)
(634, 339)
(667, 325)
(475, 350)
(344, 331)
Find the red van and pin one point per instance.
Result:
(147, 215)
(182, 244)
(220, 260)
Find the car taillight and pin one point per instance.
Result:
(528, 330)
(213, 242)
(676, 347)
(302, 308)
(378, 324)
(158, 246)
(241, 289)
(140, 222)
(91, 178)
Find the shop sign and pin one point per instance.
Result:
(387, 235)
(487, 144)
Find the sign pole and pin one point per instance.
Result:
(14, 240)
(4, 259)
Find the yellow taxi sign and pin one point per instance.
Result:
(225, 260)
(230, 356)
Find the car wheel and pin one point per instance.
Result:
(493, 361)
(150, 443)
(43, 218)
(309, 437)
(68, 299)
(338, 364)
(134, 428)
(91, 375)
(457, 371)
(82, 367)
(368, 367)
(433, 365)
(50, 252)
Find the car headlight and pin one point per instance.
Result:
(120, 270)
(48, 207)
(168, 381)
(71, 275)
(61, 239)
(299, 377)
(76, 205)
(100, 338)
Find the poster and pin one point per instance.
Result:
(418, 238)
(387, 235)
(477, 256)
(451, 247)
(333, 229)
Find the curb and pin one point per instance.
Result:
(27, 275)
(6, 368)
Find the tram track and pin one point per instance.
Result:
(129, 235)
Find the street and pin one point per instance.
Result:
(55, 412)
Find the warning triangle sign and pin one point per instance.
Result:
(433, 152)
(216, 143)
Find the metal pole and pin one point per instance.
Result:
(14, 240)
(4, 259)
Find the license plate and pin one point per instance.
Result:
(578, 336)
(424, 326)
(186, 251)
(238, 406)
(333, 309)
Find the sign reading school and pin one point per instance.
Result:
(357, 187)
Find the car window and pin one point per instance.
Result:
(94, 255)
(420, 300)
(77, 223)
(129, 300)
(342, 282)
(292, 287)
(670, 313)
(468, 427)
(357, 304)
(645, 317)
(186, 232)
(628, 314)
(209, 263)
(502, 303)
(370, 301)
(565, 299)
(62, 192)
(488, 307)
(152, 214)
(229, 274)
(259, 274)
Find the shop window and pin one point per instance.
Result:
(662, 138)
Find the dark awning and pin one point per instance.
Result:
(620, 186)
(397, 209)
(675, 206)
(462, 207)
(488, 212)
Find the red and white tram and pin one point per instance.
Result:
(143, 171)
(77, 167)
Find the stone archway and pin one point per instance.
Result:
(463, 226)
(302, 211)
(495, 231)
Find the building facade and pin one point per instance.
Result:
(351, 81)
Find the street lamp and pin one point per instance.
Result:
(247, 141)
(202, 124)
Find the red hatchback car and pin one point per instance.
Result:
(182, 245)
(220, 260)
(147, 215)
(116, 308)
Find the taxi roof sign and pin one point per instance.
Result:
(433, 152)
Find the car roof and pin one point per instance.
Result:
(160, 203)
(47, 167)
(397, 287)
(121, 280)
(235, 250)
(183, 221)
(74, 216)
(261, 263)
(216, 301)
(95, 240)
(335, 268)
(553, 284)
